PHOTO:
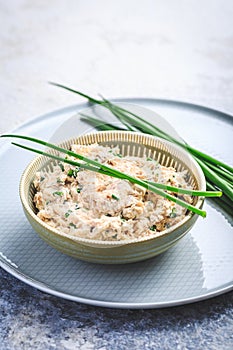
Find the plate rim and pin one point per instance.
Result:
(108, 304)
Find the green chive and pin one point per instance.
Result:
(61, 166)
(103, 169)
(57, 193)
(68, 213)
(70, 172)
(72, 225)
(115, 197)
(221, 174)
(79, 189)
(118, 155)
(173, 213)
(73, 172)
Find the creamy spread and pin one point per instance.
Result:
(91, 205)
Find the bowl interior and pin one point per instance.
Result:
(130, 144)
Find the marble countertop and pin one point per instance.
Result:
(176, 50)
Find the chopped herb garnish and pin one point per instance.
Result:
(57, 193)
(79, 189)
(72, 225)
(70, 172)
(68, 213)
(73, 172)
(123, 219)
(149, 159)
(61, 166)
(42, 178)
(77, 206)
(114, 236)
(118, 155)
(115, 197)
(47, 202)
(173, 213)
(59, 180)
(153, 228)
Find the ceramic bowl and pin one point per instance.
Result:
(133, 144)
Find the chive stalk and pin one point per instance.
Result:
(218, 174)
(95, 166)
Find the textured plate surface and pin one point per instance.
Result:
(198, 267)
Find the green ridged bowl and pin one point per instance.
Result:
(120, 252)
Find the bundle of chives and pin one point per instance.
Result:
(219, 176)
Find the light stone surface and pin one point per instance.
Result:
(153, 48)
(171, 49)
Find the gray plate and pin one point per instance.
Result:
(198, 267)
